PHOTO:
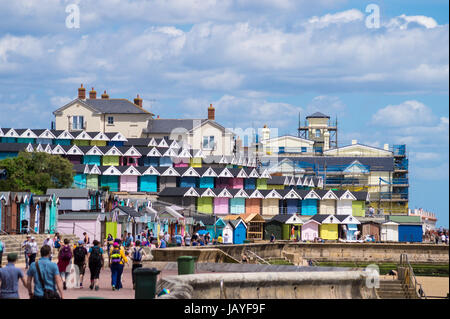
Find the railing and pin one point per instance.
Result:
(400, 181)
(410, 279)
(257, 257)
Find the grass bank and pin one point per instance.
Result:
(419, 269)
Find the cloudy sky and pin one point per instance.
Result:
(257, 61)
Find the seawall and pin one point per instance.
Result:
(269, 285)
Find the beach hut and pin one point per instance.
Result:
(204, 223)
(237, 203)
(111, 156)
(115, 139)
(73, 154)
(82, 139)
(128, 178)
(253, 202)
(98, 138)
(92, 156)
(130, 156)
(184, 197)
(148, 179)
(359, 205)
(276, 182)
(174, 221)
(92, 177)
(79, 179)
(255, 225)
(110, 178)
(62, 137)
(270, 203)
(207, 176)
(310, 230)
(344, 204)
(188, 176)
(79, 223)
(151, 159)
(348, 227)
(239, 231)
(309, 203)
(327, 204)
(293, 201)
(44, 136)
(168, 177)
(205, 201)
(284, 227)
(389, 232)
(328, 228)
(227, 233)
(371, 228)
(221, 201)
(409, 228)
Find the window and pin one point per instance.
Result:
(317, 133)
(303, 149)
(110, 120)
(208, 142)
(77, 122)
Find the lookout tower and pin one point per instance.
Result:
(318, 128)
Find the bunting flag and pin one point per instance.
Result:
(36, 219)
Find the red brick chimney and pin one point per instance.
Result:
(92, 94)
(211, 113)
(105, 96)
(82, 92)
(138, 101)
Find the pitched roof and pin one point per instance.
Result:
(69, 192)
(170, 125)
(115, 106)
(317, 115)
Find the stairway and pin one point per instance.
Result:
(394, 289)
(13, 243)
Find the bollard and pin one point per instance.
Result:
(145, 279)
(186, 265)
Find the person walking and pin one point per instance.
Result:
(86, 239)
(137, 254)
(9, 279)
(272, 238)
(26, 251)
(32, 249)
(95, 262)
(187, 239)
(2, 249)
(117, 258)
(49, 242)
(45, 275)
(79, 259)
(109, 242)
(64, 257)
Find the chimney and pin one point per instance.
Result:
(82, 92)
(211, 113)
(138, 101)
(354, 142)
(386, 147)
(92, 94)
(105, 96)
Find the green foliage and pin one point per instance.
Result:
(35, 172)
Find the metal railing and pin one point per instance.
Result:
(258, 257)
(409, 279)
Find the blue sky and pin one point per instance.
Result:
(257, 61)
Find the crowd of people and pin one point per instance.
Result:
(46, 279)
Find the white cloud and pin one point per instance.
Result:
(408, 113)
(336, 18)
(329, 105)
(403, 21)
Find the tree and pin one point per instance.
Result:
(35, 172)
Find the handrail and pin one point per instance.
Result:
(223, 294)
(257, 257)
(410, 277)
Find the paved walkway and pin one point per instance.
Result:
(105, 290)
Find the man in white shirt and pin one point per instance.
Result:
(32, 250)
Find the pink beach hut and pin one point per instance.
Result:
(310, 230)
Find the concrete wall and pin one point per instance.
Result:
(270, 285)
(203, 255)
(361, 252)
